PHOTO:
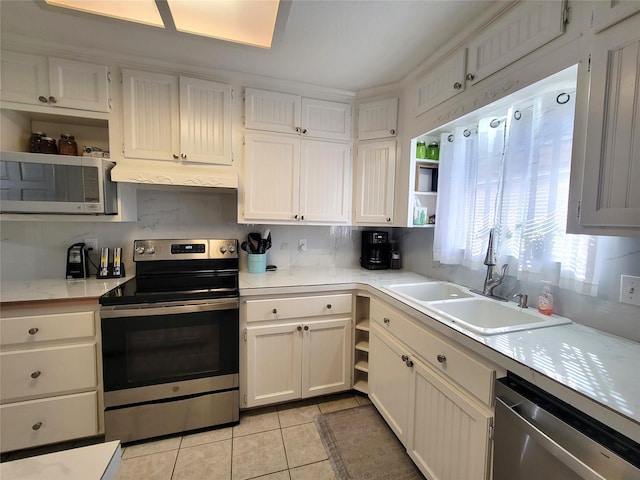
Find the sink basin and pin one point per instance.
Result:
(429, 291)
(489, 317)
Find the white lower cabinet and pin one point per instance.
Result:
(443, 424)
(292, 357)
(50, 373)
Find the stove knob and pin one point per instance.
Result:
(140, 250)
(223, 249)
(232, 248)
(151, 249)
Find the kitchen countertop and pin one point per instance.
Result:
(588, 368)
(93, 462)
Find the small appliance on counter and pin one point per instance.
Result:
(375, 254)
(77, 261)
(110, 269)
(396, 259)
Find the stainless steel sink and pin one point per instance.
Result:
(429, 291)
(489, 317)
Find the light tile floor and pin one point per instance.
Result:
(273, 443)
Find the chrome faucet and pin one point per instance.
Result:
(493, 279)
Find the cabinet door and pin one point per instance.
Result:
(205, 121)
(520, 31)
(445, 81)
(378, 119)
(322, 119)
(326, 357)
(271, 111)
(274, 356)
(389, 379)
(151, 115)
(607, 13)
(271, 177)
(611, 182)
(78, 85)
(448, 434)
(325, 182)
(375, 177)
(24, 78)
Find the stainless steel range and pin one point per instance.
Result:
(170, 340)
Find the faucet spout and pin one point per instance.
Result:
(493, 279)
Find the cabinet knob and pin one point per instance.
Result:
(457, 86)
(470, 76)
(329, 306)
(298, 129)
(388, 219)
(392, 131)
(295, 217)
(409, 363)
(306, 328)
(404, 358)
(43, 99)
(36, 374)
(183, 156)
(175, 157)
(302, 217)
(304, 130)
(274, 311)
(441, 358)
(33, 331)
(386, 320)
(36, 426)
(53, 99)
(299, 328)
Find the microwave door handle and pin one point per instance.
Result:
(546, 442)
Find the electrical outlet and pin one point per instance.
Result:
(302, 244)
(630, 290)
(91, 243)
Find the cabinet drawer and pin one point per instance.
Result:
(469, 371)
(44, 371)
(38, 422)
(298, 307)
(40, 328)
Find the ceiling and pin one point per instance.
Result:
(340, 44)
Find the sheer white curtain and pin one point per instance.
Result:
(514, 177)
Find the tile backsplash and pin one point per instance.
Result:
(38, 249)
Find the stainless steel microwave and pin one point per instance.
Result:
(38, 183)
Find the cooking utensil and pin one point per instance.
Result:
(255, 241)
(244, 247)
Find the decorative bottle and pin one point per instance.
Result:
(545, 300)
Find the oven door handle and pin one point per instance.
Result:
(148, 309)
(546, 442)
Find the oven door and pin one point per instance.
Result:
(155, 344)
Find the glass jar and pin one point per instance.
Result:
(34, 141)
(433, 151)
(67, 145)
(421, 150)
(48, 145)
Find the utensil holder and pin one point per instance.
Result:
(257, 262)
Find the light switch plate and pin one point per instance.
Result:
(630, 290)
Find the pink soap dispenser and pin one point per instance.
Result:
(545, 300)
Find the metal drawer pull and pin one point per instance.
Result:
(36, 426)
(36, 374)
(33, 331)
(274, 311)
(457, 86)
(470, 76)
(43, 99)
(441, 358)
(329, 306)
(299, 328)
(404, 358)
(409, 363)
(306, 327)
(386, 320)
(53, 99)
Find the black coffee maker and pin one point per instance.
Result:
(375, 253)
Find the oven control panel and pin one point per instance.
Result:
(191, 249)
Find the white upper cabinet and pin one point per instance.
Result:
(287, 179)
(520, 31)
(55, 82)
(611, 181)
(378, 119)
(286, 113)
(610, 12)
(443, 82)
(167, 117)
(374, 183)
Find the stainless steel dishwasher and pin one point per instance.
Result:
(538, 436)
